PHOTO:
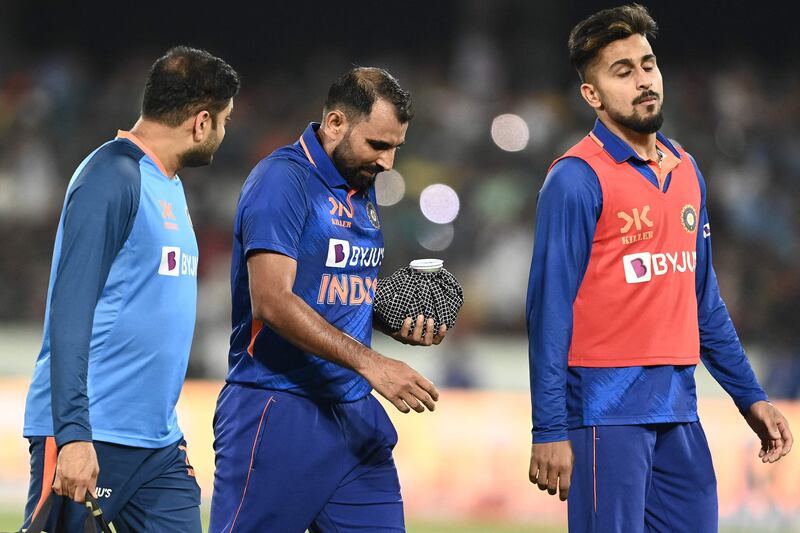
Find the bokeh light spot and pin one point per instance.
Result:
(439, 203)
(390, 187)
(436, 238)
(510, 132)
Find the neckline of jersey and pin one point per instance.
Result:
(122, 134)
(622, 151)
(319, 158)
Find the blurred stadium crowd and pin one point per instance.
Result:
(478, 129)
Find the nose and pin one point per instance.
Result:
(644, 81)
(386, 159)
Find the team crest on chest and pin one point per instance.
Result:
(372, 215)
(689, 218)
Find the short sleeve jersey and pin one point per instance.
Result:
(296, 203)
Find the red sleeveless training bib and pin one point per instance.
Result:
(637, 304)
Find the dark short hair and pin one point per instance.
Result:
(592, 34)
(356, 91)
(186, 81)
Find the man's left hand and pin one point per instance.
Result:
(414, 337)
(772, 428)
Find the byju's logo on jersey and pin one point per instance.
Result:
(338, 253)
(170, 258)
(641, 267)
(174, 263)
(637, 267)
(342, 254)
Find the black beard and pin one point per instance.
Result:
(353, 174)
(202, 155)
(359, 181)
(640, 124)
(196, 157)
(636, 122)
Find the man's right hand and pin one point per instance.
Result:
(551, 467)
(272, 277)
(400, 384)
(76, 471)
(411, 332)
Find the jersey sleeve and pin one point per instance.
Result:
(99, 213)
(568, 207)
(720, 349)
(274, 208)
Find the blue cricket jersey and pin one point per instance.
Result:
(296, 203)
(563, 397)
(120, 305)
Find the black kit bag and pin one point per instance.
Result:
(95, 521)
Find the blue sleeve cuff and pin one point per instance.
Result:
(73, 433)
(744, 403)
(543, 437)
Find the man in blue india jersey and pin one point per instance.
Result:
(300, 442)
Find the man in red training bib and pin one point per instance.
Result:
(623, 303)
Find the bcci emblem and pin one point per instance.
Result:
(689, 218)
(372, 215)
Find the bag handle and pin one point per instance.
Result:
(95, 521)
(95, 512)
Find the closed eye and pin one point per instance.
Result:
(379, 145)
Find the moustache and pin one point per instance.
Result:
(373, 169)
(646, 94)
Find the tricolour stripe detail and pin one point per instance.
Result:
(305, 149)
(595, 139)
(255, 329)
(270, 401)
(594, 464)
(350, 194)
(189, 467)
(48, 473)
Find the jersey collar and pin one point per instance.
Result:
(620, 150)
(121, 134)
(318, 157)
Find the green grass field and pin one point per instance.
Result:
(10, 521)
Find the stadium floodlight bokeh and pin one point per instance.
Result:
(435, 237)
(510, 132)
(439, 203)
(390, 187)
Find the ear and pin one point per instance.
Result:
(335, 124)
(590, 93)
(201, 125)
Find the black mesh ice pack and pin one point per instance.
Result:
(410, 292)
